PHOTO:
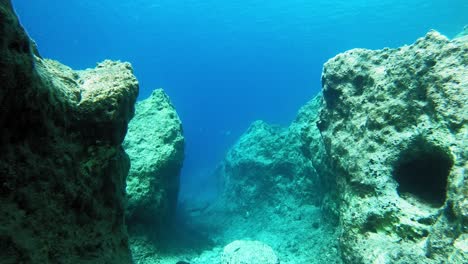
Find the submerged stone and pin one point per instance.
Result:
(274, 185)
(155, 145)
(62, 167)
(395, 127)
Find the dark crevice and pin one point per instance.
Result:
(422, 172)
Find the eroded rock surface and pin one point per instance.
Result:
(273, 192)
(395, 127)
(62, 167)
(383, 153)
(155, 145)
(266, 166)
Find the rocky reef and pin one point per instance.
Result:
(272, 192)
(371, 171)
(155, 145)
(62, 167)
(394, 124)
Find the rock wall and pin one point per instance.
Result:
(62, 167)
(395, 126)
(155, 145)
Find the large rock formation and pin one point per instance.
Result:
(272, 192)
(62, 167)
(266, 166)
(395, 127)
(381, 156)
(155, 145)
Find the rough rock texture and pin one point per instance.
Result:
(155, 145)
(266, 166)
(395, 126)
(272, 191)
(376, 163)
(62, 167)
(248, 252)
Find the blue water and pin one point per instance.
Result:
(227, 63)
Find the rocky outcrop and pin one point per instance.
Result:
(272, 189)
(395, 126)
(62, 167)
(265, 163)
(379, 158)
(155, 145)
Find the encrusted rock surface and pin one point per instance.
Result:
(155, 145)
(266, 166)
(62, 167)
(395, 127)
(382, 153)
(272, 192)
(248, 252)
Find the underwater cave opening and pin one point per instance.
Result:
(422, 172)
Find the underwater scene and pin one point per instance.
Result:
(234, 132)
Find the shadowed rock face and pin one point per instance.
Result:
(62, 167)
(395, 127)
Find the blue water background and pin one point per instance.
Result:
(227, 63)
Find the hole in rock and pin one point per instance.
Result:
(422, 172)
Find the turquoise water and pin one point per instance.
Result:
(227, 63)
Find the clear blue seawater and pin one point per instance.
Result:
(225, 64)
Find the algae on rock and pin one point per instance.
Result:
(395, 127)
(155, 145)
(383, 151)
(272, 192)
(62, 167)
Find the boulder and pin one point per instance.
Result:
(62, 167)
(394, 124)
(155, 145)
